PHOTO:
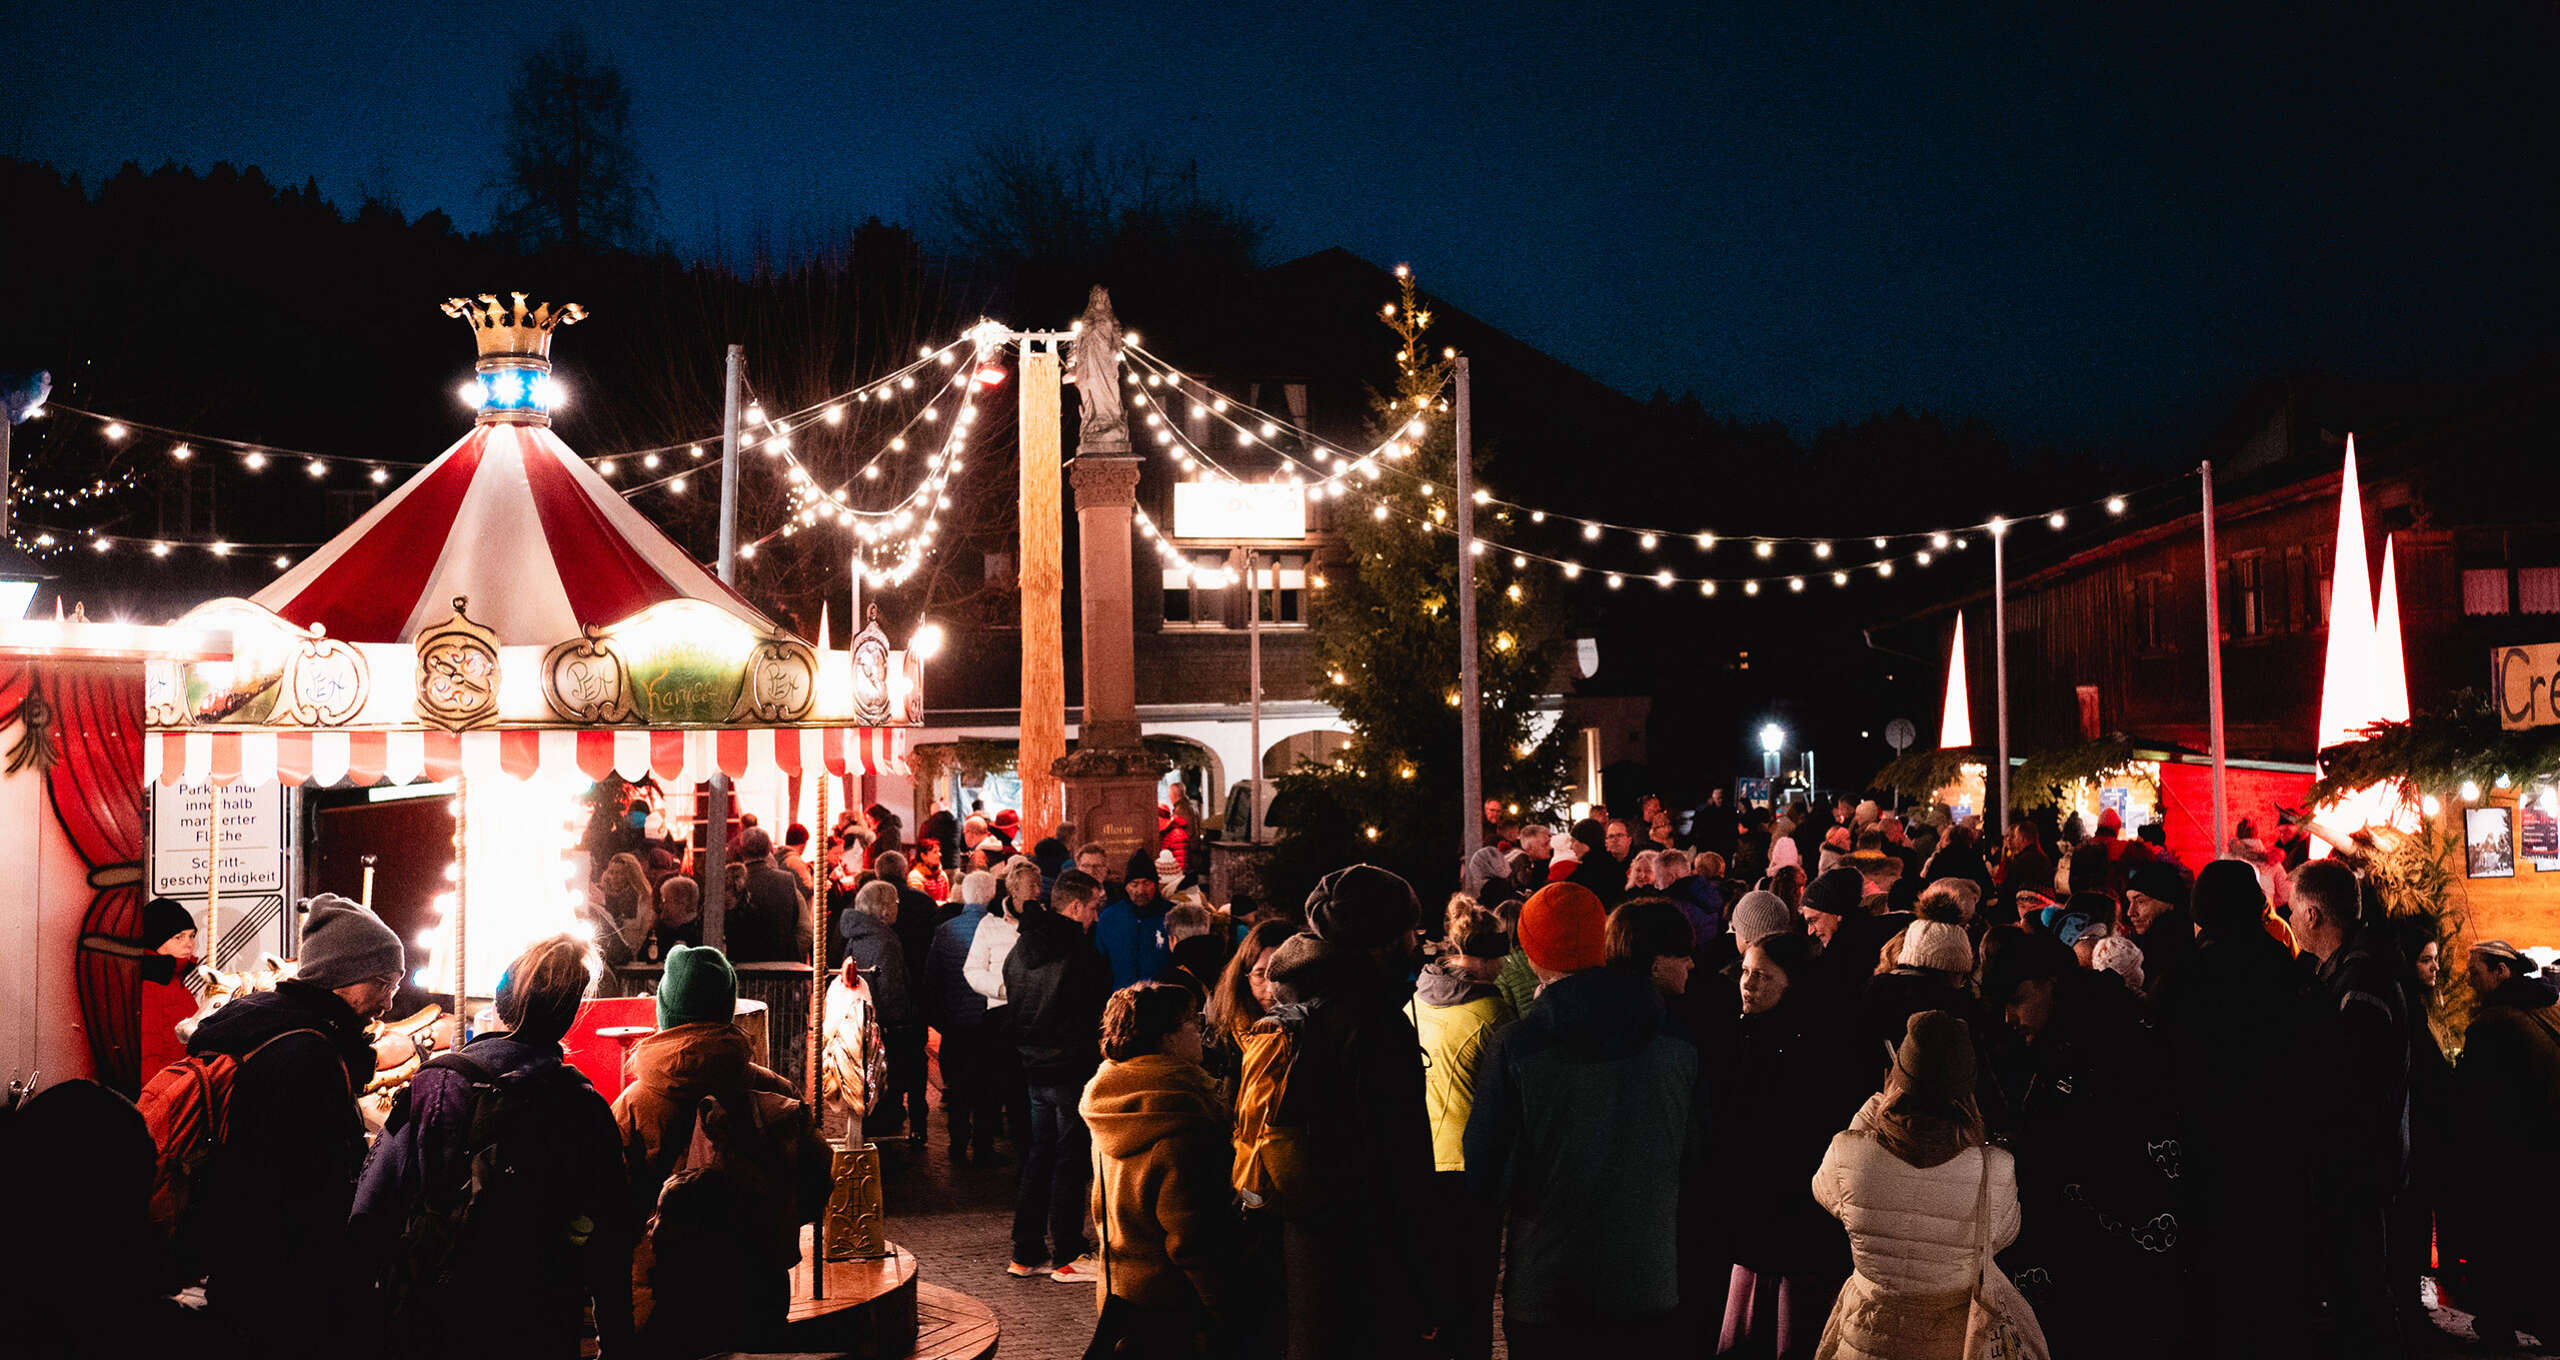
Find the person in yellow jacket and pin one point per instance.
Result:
(1456, 1004)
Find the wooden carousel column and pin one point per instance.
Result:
(854, 1226)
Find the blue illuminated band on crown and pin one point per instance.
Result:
(515, 393)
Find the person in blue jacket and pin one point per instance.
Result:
(1131, 932)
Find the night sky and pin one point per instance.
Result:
(2094, 227)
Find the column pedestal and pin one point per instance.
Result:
(1110, 778)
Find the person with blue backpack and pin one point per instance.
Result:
(495, 1206)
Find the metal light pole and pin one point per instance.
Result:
(1253, 697)
(2213, 670)
(1470, 719)
(2000, 653)
(715, 813)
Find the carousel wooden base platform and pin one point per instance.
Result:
(879, 1310)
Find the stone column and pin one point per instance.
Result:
(1110, 779)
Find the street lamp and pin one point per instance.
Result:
(1772, 738)
(22, 398)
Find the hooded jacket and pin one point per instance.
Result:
(2506, 1103)
(1055, 985)
(1452, 1015)
(875, 948)
(1702, 902)
(671, 1072)
(1161, 1195)
(1586, 1110)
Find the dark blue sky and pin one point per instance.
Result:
(2093, 226)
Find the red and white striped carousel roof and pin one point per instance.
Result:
(512, 518)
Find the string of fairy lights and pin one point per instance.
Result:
(892, 539)
(1327, 470)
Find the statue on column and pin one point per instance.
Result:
(1093, 365)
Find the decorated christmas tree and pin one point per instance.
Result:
(1387, 623)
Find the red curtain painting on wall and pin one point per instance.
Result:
(86, 720)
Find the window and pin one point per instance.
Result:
(2147, 630)
(2297, 591)
(2319, 587)
(2484, 590)
(1189, 601)
(2248, 602)
(2538, 590)
(1280, 590)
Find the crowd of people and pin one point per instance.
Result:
(1817, 1083)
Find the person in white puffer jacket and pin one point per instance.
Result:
(1926, 1201)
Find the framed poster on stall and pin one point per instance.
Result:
(2488, 842)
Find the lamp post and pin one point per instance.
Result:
(1773, 739)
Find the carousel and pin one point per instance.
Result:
(506, 633)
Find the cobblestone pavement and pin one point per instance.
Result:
(958, 1220)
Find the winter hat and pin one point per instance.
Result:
(2110, 822)
(1592, 835)
(2122, 957)
(162, 920)
(1759, 915)
(1008, 821)
(2158, 882)
(2228, 896)
(2506, 953)
(1937, 944)
(699, 988)
(1362, 907)
(1564, 929)
(2075, 923)
(1837, 893)
(1936, 1059)
(343, 944)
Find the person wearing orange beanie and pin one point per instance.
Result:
(1564, 929)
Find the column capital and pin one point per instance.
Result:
(1104, 481)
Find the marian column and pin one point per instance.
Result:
(1110, 779)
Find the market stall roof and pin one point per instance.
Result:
(513, 519)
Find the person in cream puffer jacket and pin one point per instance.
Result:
(1922, 1196)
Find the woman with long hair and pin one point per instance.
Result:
(1926, 1202)
(1240, 999)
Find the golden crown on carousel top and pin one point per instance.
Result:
(520, 331)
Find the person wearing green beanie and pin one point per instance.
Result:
(700, 1066)
(699, 988)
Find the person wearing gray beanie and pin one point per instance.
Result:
(344, 944)
(1760, 913)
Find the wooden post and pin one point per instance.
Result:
(1044, 661)
(213, 877)
(461, 900)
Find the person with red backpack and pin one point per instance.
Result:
(495, 1207)
(261, 1204)
(724, 1164)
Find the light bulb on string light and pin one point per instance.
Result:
(1795, 583)
(2115, 505)
(254, 461)
(1706, 587)
(1763, 548)
(1751, 587)
(1590, 531)
(379, 476)
(1822, 550)
(1937, 540)
(2055, 519)
(180, 453)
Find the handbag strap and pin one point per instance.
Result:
(1982, 1223)
(1102, 1219)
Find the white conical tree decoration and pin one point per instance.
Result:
(1955, 727)
(2347, 680)
(2390, 667)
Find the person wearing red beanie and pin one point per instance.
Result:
(1584, 1110)
(1564, 929)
